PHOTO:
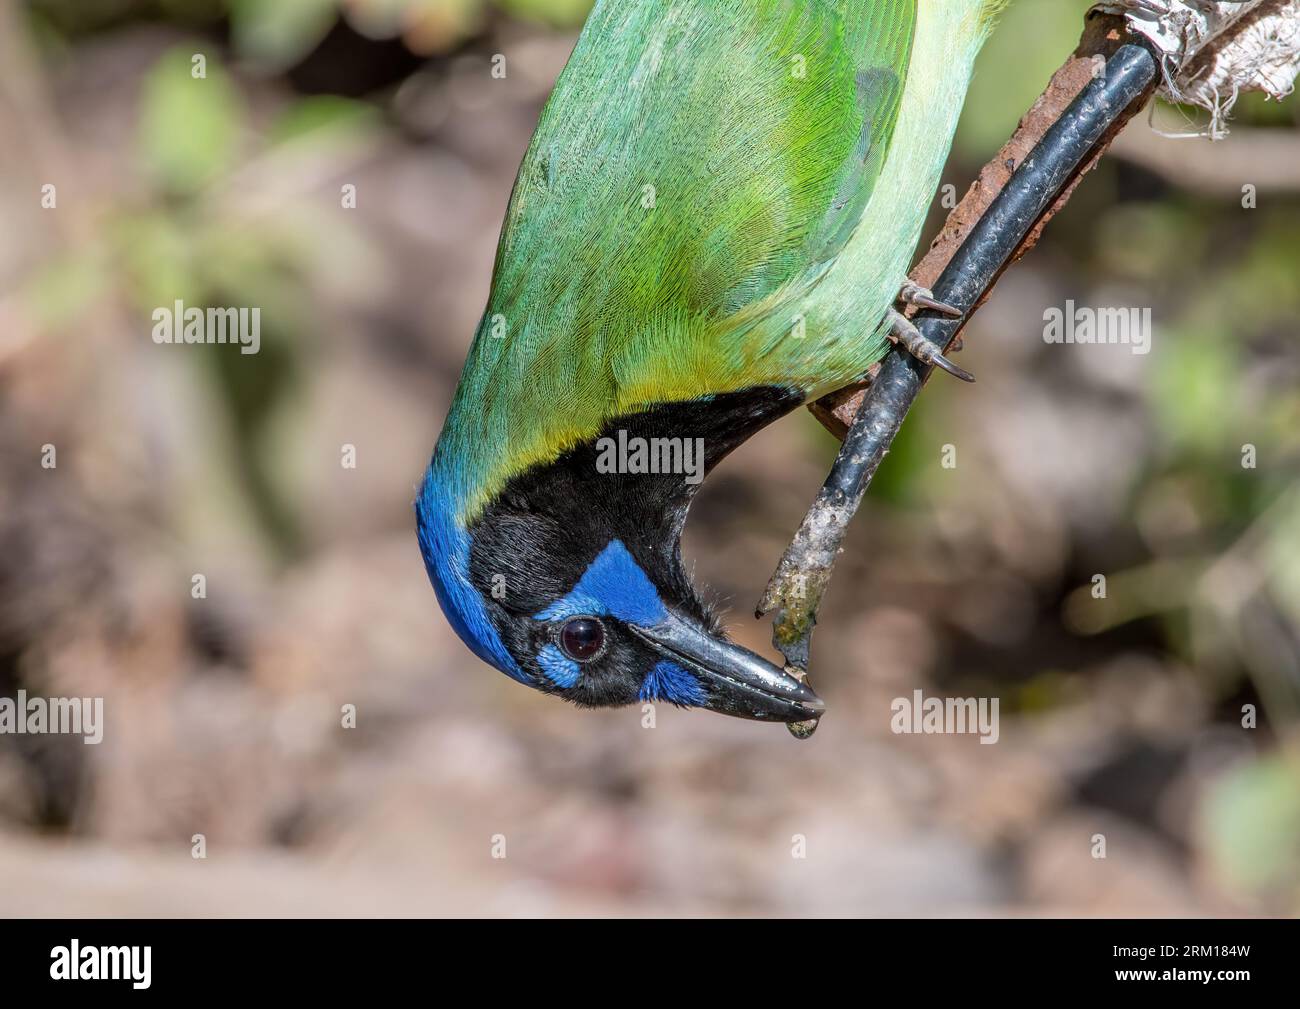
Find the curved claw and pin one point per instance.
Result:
(922, 297)
(939, 361)
(904, 332)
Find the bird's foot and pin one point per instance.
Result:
(923, 297)
(903, 332)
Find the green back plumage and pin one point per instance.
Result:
(699, 164)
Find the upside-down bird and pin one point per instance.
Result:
(711, 226)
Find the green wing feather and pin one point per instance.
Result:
(697, 163)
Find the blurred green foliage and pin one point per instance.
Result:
(1251, 827)
(274, 34)
(212, 228)
(189, 126)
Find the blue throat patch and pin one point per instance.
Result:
(670, 682)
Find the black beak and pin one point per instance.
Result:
(738, 682)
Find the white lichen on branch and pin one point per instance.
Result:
(1216, 49)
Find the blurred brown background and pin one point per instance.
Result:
(1120, 716)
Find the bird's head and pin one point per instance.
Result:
(570, 580)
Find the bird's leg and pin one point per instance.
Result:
(906, 335)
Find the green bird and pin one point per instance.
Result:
(711, 226)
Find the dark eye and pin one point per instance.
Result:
(582, 637)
